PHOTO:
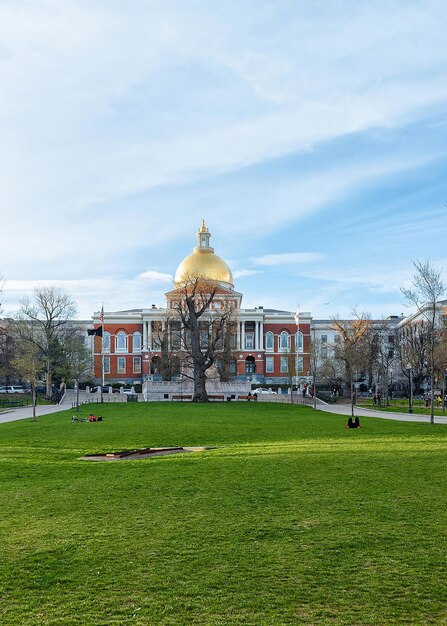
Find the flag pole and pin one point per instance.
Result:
(101, 317)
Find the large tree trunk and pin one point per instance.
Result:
(200, 393)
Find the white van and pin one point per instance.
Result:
(12, 389)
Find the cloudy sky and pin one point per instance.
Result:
(311, 136)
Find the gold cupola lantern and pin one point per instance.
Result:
(204, 263)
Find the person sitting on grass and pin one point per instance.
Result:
(353, 423)
(92, 418)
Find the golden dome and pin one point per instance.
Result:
(203, 263)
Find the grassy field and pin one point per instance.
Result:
(291, 519)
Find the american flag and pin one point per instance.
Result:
(101, 315)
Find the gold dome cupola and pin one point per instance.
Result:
(203, 263)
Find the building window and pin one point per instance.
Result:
(323, 352)
(250, 365)
(121, 342)
(121, 365)
(269, 364)
(136, 342)
(136, 365)
(176, 335)
(299, 365)
(284, 342)
(284, 365)
(204, 338)
(269, 341)
(106, 341)
(106, 365)
(299, 341)
(249, 341)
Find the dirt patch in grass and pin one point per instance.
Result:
(143, 453)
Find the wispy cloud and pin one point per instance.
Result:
(288, 258)
(245, 273)
(123, 124)
(155, 277)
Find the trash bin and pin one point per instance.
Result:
(132, 397)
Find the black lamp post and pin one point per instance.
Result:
(410, 399)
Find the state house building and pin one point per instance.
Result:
(264, 341)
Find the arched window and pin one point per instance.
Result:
(156, 365)
(250, 365)
(269, 341)
(284, 343)
(299, 341)
(121, 341)
(106, 341)
(136, 341)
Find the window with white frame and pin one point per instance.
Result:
(299, 341)
(249, 341)
(204, 338)
(323, 347)
(176, 335)
(269, 364)
(269, 341)
(136, 343)
(106, 341)
(121, 341)
(137, 365)
(106, 365)
(121, 365)
(284, 341)
(299, 365)
(284, 365)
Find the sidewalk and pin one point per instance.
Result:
(345, 409)
(26, 412)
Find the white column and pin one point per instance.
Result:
(144, 335)
(261, 335)
(256, 336)
(238, 340)
(149, 335)
(243, 336)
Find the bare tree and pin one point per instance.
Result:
(48, 313)
(7, 350)
(204, 329)
(28, 360)
(425, 294)
(353, 348)
(383, 357)
(78, 359)
(412, 346)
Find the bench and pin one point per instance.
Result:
(217, 398)
(182, 397)
(248, 398)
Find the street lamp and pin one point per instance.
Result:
(410, 376)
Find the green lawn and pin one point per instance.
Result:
(290, 520)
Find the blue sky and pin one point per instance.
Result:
(311, 136)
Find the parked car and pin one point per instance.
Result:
(261, 390)
(43, 390)
(128, 391)
(12, 389)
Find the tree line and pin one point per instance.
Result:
(43, 342)
(197, 340)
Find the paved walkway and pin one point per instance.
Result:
(345, 409)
